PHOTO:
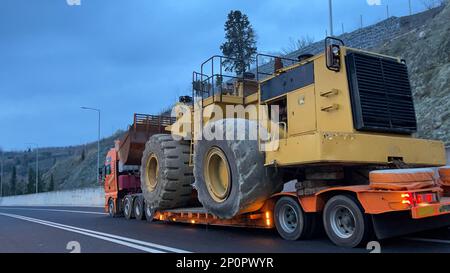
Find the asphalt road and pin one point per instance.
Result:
(67, 229)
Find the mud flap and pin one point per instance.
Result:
(388, 225)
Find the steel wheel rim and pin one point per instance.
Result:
(217, 175)
(136, 210)
(148, 210)
(111, 207)
(152, 172)
(127, 207)
(288, 218)
(343, 221)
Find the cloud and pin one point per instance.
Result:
(127, 56)
(374, 2)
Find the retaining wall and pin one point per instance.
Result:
(79, 197)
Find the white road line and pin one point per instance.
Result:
(170, 249)
(146, 249)
(137, 244)
(427, 240)
(57, 210)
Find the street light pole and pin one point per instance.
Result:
(410, 7)
(98, 137)
(37, 165)
(330, 5)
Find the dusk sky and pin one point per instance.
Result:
(127, 56)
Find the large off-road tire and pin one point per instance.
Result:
(230, 176)
(166, 177)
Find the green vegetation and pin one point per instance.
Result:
(60, 168)
(240, 43)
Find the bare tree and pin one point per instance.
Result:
(298, 44)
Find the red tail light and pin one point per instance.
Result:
(426, 198)
(418, 198)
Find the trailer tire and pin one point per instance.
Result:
(166, 177)
(149, 212)
(128, 207)
(345, 222)
(291, 222)
(244, 183)
(138, 208)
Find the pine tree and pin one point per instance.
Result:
(83, 155)
(240, 43)
(13, 181)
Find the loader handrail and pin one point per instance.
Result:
(147, 121)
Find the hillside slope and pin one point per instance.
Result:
(427, 52)
(68, 167)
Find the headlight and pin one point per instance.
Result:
(335, 50)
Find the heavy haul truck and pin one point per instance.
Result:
(346, 158)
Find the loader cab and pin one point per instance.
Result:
(288, 83)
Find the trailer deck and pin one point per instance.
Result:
(198, 215)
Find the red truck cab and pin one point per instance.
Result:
(119, 181)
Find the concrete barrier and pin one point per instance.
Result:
(90, 197)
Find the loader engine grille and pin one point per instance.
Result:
(381, 94)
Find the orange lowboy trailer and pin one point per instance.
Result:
(405, 201)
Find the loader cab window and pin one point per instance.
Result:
(333, 53)
(108, 169)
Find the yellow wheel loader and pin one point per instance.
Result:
(324, 140)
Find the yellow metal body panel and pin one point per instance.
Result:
(320, 124)
(225, 99)
(356, 149)
(301, 111)
(252, 99)
(326, 81)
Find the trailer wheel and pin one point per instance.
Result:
(138, 208)
(166, 177)
(128, 207)
(230, 176)
(345, 222)
(149, 212)
(291, 221)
